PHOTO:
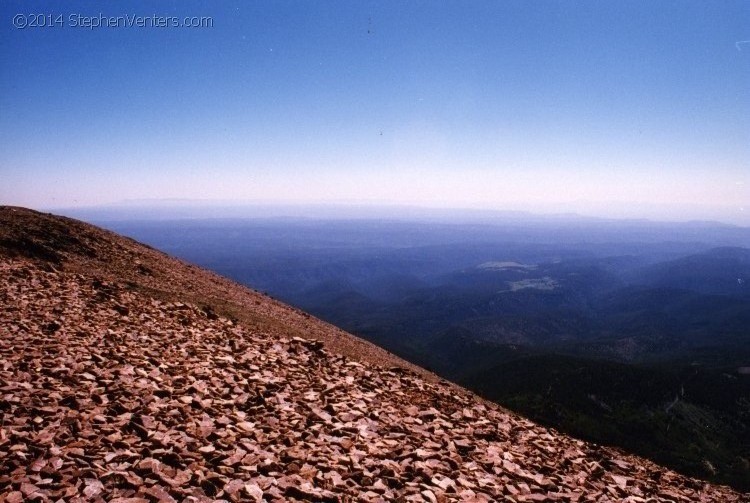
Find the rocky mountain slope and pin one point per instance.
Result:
(128, 376)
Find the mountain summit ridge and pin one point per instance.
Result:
(130, 376)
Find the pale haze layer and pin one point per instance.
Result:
(636, 109)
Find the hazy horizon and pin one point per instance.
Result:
(187, 209)
(614, 110)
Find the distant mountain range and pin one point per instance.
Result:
(719, 271)
(166, 209)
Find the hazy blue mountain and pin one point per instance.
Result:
(721, 271)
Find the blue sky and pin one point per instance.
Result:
(612, 108)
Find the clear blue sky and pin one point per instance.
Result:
(627, 108)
